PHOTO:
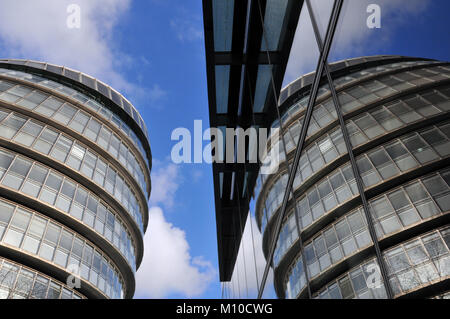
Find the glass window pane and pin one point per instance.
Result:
(46, 251)
(31, 245)
(435, 247)
(416, 192)
(346, 288)
(40, 288)
(54, 181)
(13, 238)
(52, 234)
(20, 167)
(6, 212)
(390, 224)
(380, 207)
(21, 219)
(37, 226)
(38, 174)
(342, 230)
(417, 254)
(398, 199)
(5, 160)
(356, 222)
(13, 181)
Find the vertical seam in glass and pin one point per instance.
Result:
(352, 160)
(360, 186)
(285, 151)
(314, 90)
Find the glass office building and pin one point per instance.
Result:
(396, 116)
(358, 207)
(75, 165)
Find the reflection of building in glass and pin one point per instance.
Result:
(396, 115)
(74, 184)
(363, 178)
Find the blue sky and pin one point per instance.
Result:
(153, 52)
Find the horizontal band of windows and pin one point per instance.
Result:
(66, 150)
(53, 189)
(412, 265)
(400, 209)
(377, 165)
(80, 98)
(77, 120)
(331, 145)
(297, 90)
(45, 143)
(20, 282)
(418, 262)
(354, 284)
(51, 142)
(428, 209)
(39, 235)
(364, 93)
(378, 121)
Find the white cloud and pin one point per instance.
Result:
(167, 267)
(38, 30)
(352, 37)
(196, 175)
(187, 26)
(250, 265)
(156, 94)
(165, 183)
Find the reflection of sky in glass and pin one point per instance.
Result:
(223, 11)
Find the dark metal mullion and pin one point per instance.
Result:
(323, 56)
(360, 185)
(355, 169)
(275, 96)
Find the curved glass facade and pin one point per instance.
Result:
(64, 149)
(74, 184)
(55, 190)
(19, 282)
(397, 119)
(37, 235)
(81, 78)
(353, 285)
(81, 122)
